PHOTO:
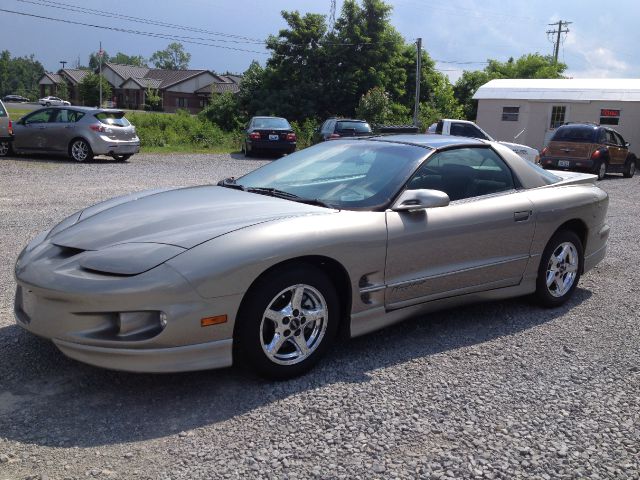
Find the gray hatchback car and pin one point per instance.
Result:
(6, 130)
(79, 132)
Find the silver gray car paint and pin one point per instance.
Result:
(70, 303)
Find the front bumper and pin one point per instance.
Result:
(83, 311)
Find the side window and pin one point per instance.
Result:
(61, 116)
(611, 139)
(619, 139)
(41, 116)
(464, 173)
(74, 115)
(602, 136)
(325, 126)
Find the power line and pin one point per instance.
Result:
(134, 32)
(558, 33)
(103, 13)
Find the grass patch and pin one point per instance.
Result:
(16, 113)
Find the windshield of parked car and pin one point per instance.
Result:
(577, 133)
(351, 175)
(270, 123)
(115, 119)
(359, 127)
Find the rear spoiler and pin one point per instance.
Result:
(574, 178)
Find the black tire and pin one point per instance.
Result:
(554, 295)
(48, 104)
(599, 170)
(629, 167)
(245, 150)
(80, 150)
(121, 158)
(5, 149)
(254, 332)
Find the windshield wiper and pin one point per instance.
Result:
(230, 182)
(274, 192)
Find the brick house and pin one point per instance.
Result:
(178, 89)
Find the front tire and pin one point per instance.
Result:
(80, 150)
(629, 167)
(560, 268)
(287, 321)
(121, 158)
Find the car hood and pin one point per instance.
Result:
(182, 217)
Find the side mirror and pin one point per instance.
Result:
(412, 200)
(627, 144)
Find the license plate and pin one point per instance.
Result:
(563, 163)
(274, 137)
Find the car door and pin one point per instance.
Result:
(60, 130)
(622, 148)
(30, 132)
(480, 241)
(617, 154)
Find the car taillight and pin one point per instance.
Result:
(334, 135)
(595, 155)
(291, 137)
(544, 151)
(10, 128)
(96, 127)
(254, 135)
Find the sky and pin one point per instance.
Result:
(459, 34)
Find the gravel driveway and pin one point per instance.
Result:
(499, 390)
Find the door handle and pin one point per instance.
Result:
(69, 126)
(522, 216)
(41, 128)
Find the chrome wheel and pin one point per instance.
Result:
(4, 149)
(80, 150)
(562, 269)
(293, 324)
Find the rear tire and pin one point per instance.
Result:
(600, 169)
(80, 150)
(560, 268)
(5, 148)
(629, 167)
(287, 321)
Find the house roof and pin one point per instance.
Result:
(231, 78)
(144, 82)
(75, 74)
(171, 77)
(127, 71)
(219, 87)
(54, 77)
(577, 89)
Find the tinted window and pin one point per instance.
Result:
(466, 130)
(270, 123)
(359, 127)
(575, 133)
(510, 114)
(363, 175)
(68, 116)
(115, 119)
(3, 112)
(464, 173)
(41, 116)
(619, 139)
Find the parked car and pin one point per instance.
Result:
(268, 134)
(465, 128)
(589, 147)
(334, 128)
(348, 235)
(48, 101)
(15, 99)
(6, 131)
(79, 132)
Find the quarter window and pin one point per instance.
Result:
(464, 173)
(510, 114)
(558, 113)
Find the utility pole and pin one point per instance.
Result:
(100, 53)
(63, 62)
(416, 109)
(558, 32)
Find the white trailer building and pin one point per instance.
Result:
(533, 109)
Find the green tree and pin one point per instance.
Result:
(62, 90)
(171, 58)
(532, 65)
(223, 111)
(375, 106)
(153, 101)
(89, 89)
(19, 75)
(124, 59)
(94, 59)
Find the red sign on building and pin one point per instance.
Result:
(608, 112)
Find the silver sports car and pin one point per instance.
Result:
(349, 236)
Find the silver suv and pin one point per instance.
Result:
(79, 132)
(6, 131)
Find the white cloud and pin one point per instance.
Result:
(594, 60)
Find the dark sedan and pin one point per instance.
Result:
(334, 128)
(15, 99)
(268, 134)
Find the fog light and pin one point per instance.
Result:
(140, 323)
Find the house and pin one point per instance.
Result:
(178, 89)
(531, 109)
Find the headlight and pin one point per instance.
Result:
(129, 258)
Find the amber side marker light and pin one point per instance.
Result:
(208, 321)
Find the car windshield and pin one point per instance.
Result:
(270, 123)
(577, 133)
(115, 119)
(359, 127)
(351, 175)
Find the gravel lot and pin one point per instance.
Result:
(500, 390)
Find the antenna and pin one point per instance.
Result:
(332, 15)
